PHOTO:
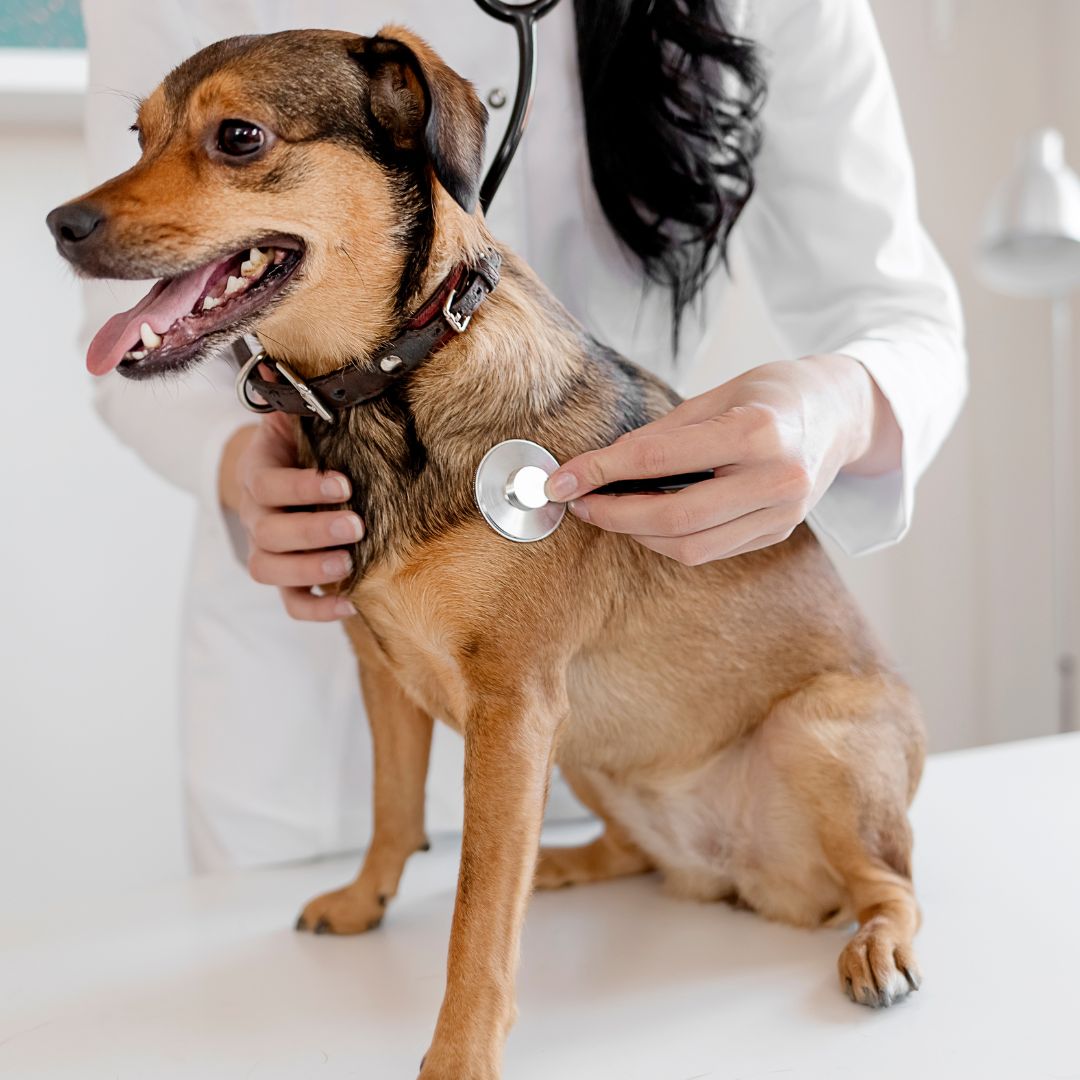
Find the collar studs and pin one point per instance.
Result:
(390, 363)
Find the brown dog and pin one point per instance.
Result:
(734, 724)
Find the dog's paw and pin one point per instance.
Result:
(352, 910)
(876, 969)
(467, 1066)
(558, 867)
(601, 860)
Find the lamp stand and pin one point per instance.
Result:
(1064, 509)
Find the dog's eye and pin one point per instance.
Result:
(239, 138)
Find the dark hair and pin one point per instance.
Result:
(671, 116)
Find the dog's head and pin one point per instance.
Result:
(291, 183)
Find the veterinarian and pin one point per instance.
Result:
(838, 428)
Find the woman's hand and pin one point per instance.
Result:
(259, 479)
(776, 437)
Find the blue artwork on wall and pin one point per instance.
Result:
(41, 24)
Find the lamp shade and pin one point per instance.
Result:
(1031, 237)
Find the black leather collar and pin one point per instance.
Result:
(443, 316)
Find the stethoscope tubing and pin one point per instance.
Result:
(654, 485)
(507, 12)
(523, 17)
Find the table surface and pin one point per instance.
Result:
(206, 979)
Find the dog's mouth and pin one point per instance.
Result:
(170, 325)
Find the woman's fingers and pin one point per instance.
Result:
(732, 494)
(281, 532)
(305, 569)
(691, 448)
(303, 604)
(283, 486)
(701, 506)
(295, 550)
(733, 538)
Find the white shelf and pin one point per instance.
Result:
(42, 87)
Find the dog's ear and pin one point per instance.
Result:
(419, 103)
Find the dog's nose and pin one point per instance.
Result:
(72, 223)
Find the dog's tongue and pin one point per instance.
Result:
(166, 302)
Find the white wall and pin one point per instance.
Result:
(969, 95)
(93, 547)
(965, 602)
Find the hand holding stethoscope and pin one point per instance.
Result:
(768, 443)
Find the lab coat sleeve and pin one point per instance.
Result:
(837, 249)
(178, 425)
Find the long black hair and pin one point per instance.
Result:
(671, 115)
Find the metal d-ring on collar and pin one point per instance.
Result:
(311, 399)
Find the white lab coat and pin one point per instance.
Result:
(278, 768)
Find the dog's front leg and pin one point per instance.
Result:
(509, 745)
(401, 736)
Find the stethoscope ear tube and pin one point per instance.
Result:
(523, 17)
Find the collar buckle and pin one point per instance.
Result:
(457, 322)
(257, 355)
(309, 397)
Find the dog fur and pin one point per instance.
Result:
(734, 724)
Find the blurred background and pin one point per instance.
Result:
(94, 546)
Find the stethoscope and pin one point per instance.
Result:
(523, 18)
(510, 479)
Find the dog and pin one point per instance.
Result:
(734, 725)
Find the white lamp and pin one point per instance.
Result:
(1031, 247)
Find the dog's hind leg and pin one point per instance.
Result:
(401, 733)
(612, 854)
(851, 750)
(878, 966)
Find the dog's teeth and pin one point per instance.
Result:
(234, 285)
(254, 264)
(149, 338)
(209, 302)
(279, 256)
(137, 354)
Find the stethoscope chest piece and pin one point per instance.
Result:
(510, 491)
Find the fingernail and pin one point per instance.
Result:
(561, 486)
(579, 510)
(347, 527)
(335, 487)
(344, 608)
(337, 565)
